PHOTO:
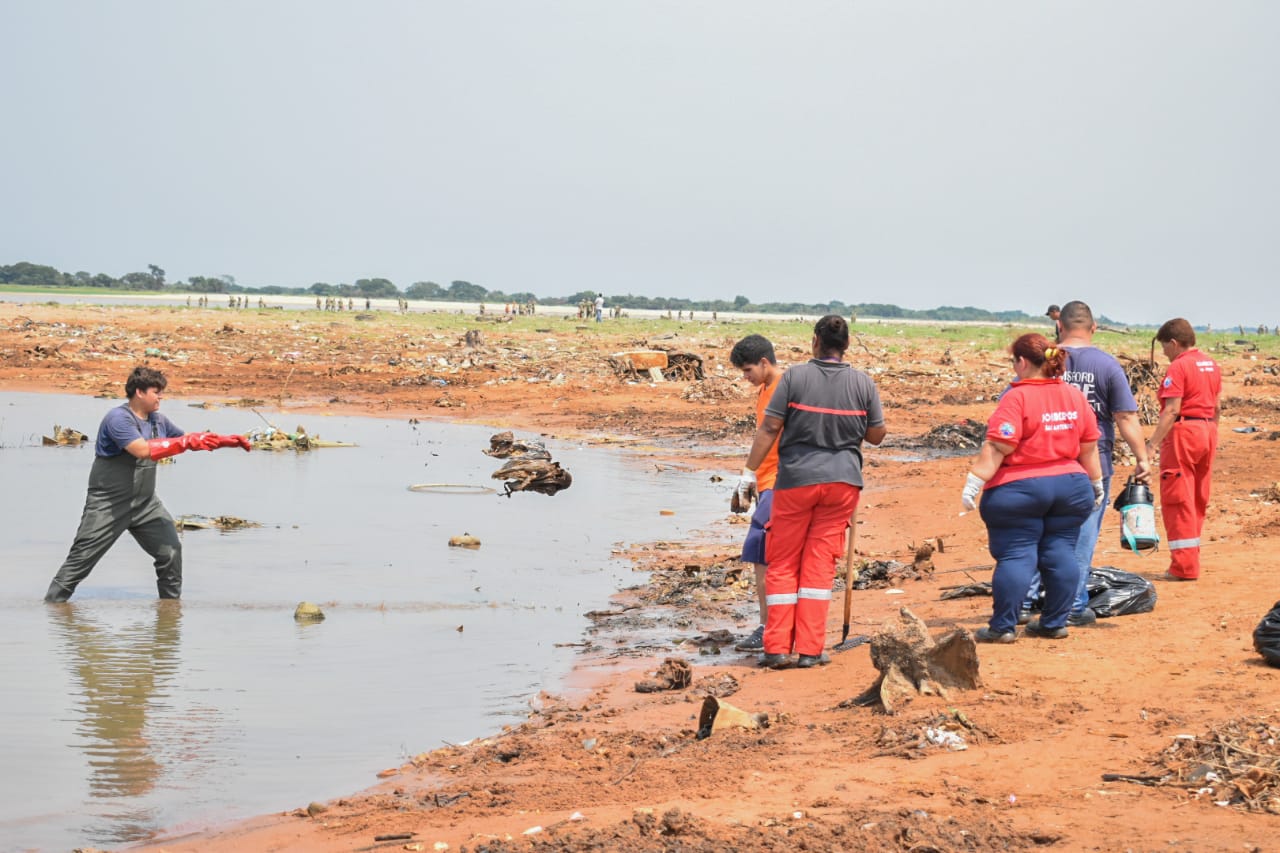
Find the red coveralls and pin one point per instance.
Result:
(806, 537)
(1186, 456)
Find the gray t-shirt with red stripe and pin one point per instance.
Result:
(826, 408)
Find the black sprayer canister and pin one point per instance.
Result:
(1137, 517)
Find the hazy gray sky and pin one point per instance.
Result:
(997, 154)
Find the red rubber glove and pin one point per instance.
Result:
(163, 448)
(231, 441)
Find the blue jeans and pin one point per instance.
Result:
(1085, 545)
(1035, 523)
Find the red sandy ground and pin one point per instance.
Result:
(1053, 716)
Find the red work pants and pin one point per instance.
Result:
(806, 536)
(1186, 457)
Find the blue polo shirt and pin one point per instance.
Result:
(121, 427)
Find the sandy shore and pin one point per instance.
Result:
(613, 769)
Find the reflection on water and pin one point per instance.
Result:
(131, 719)
(120, 675)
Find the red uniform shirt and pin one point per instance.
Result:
(1045, 421)
(1195, 378)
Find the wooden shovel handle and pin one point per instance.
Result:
(848, 566)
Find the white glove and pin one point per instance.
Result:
(1097, 492)
(969, 496)
(746, 490)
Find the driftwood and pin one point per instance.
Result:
(913, 663)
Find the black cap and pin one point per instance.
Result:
(1051, 310)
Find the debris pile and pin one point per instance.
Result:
(1144, 379)
(714, 389)
(657, 363)
(504, 445)
(967, 434)
(1235, 764)
(271, 438)
(529, 467)
(64, 437)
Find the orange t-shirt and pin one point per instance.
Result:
(767, 473)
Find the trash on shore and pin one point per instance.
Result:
(1235, 764)
(218, 522)
(967, 434)
(308, 612)
(673, 674)
(718, 715)
(912, 663)
(64, 437)
(466, 540)
(271, 438)
(883, 574)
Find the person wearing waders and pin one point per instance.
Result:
(122, 487)
(824, 410)
(1187, 435)
(755, 357)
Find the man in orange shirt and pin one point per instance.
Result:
(754, 356)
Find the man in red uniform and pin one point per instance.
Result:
(1187, 435)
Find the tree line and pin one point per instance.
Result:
(25, 274)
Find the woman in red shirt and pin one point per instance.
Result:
(1034, 472)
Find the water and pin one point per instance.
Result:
(122, 716)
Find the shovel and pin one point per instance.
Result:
(849, 575)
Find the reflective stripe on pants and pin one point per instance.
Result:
(1186, 462)
(806, 537)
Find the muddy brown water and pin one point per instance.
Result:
(122, 717)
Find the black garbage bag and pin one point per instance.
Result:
(1266, 637)
(1113, 592)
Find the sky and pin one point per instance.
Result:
(1003, 155)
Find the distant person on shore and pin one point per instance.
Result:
(599, 307)
(824, 410)
(755, 357)
(1054, 313)
(122, 487)
(1103, 382)
(1034, 472)
(1187, 436)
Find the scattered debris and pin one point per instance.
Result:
(673, 674)
(466, 540)
(64, 437)
(911, 662)
(308, 612)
